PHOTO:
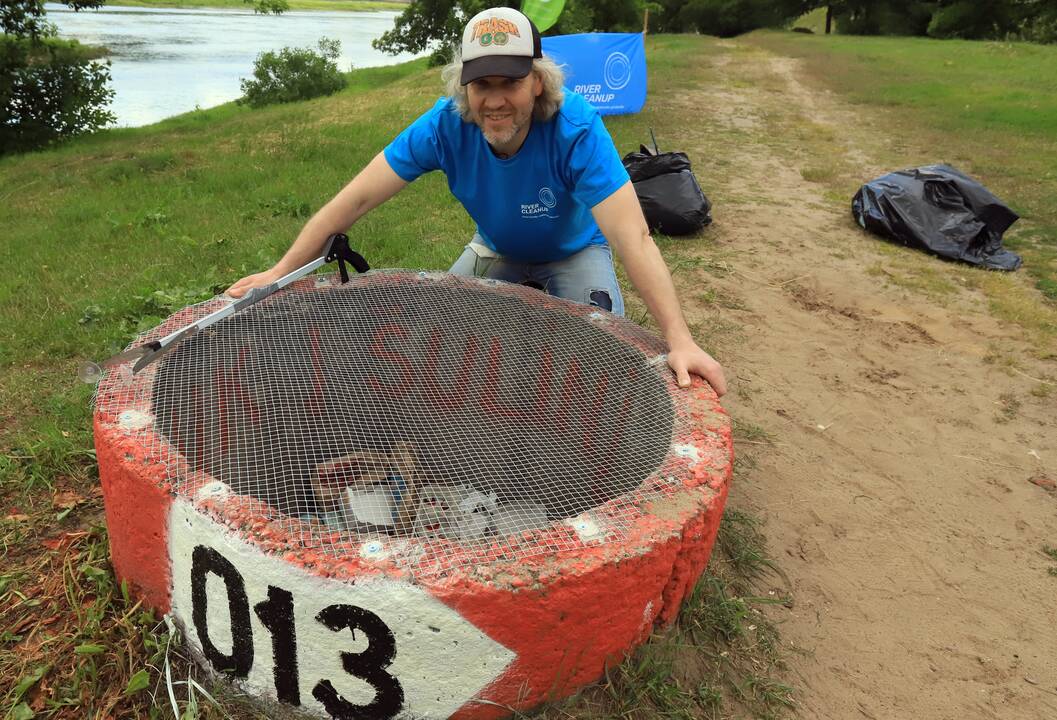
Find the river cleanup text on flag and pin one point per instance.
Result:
(608, 69)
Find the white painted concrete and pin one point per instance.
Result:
(586, 527)
(441, 660)
(134, 420)
(690, 452)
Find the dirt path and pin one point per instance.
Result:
(894, 473)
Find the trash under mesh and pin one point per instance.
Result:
(412, 405)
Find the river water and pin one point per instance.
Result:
(167, 61)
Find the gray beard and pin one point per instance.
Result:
(495, 139)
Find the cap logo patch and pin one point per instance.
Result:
(494, 31)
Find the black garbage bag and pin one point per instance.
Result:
(940, 210)
(671, 199)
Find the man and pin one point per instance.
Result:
(534, 166)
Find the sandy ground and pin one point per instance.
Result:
(895, 478)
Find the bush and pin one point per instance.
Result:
(49, 89)
(969, 19)
(294, 74)
(883, 17)
(268, 7)
(734, 17)
(1041, 28)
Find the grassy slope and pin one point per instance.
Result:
(102, 237)
(108, 234)
(988, 108)
(815, 21)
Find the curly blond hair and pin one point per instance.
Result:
(548, 71)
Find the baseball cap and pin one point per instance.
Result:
(499, 41)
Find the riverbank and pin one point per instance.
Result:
(893, 413)
(157, 217)
(50, 46)
(166, 61)
(330, 5)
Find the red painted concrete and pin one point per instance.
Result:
(137, 502)
(566, 615)
(567, 626)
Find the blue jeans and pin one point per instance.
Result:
(586, 277)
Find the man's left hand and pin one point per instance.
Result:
(688, 359)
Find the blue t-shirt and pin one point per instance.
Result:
(534, 206)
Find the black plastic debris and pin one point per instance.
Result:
(671, 199)
(938, 209)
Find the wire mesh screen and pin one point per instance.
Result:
(407, 405)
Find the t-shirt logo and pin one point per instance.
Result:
(543, 208)
(494, 31)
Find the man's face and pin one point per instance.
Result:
(502, 107)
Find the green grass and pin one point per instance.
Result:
(102, 238)
(146, 220)
(974, 86)
(107, 235)
(815, 21)
(1051, 553)
(988, 108)
(85, 643)
(750, 432)
(721, 659)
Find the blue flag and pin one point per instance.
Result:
(608, 69)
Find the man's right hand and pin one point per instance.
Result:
(251, 281)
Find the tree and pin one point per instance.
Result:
(1037, 20)
(880, 17)
(959, 18)
(437, 25)
(25, 18)
(49, 88)
(431, 24)
(268, 7)
(733, 17)
(1028, 19)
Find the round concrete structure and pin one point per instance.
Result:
(365, 623)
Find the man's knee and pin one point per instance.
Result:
(601, 299)
(465, 264)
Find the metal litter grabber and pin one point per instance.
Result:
(337, 249)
